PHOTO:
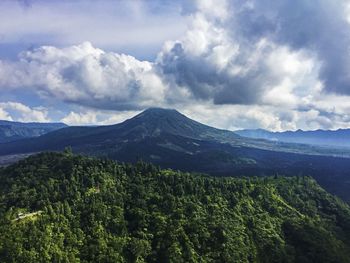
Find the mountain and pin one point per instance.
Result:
(150, 124)
(13, 131)
(337, 138)
(58, 207)
(169, 139)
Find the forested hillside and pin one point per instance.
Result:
(64, 208)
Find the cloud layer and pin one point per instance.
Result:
(276, 65)
(112, 25)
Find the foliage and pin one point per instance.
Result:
(59, 207)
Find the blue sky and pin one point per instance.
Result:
(279, 65)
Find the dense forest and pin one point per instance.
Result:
(60, 207)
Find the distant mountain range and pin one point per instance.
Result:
(170, 139)
(336, 138)
(13, 131)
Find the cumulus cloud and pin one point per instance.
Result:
(22, 112)
(320, 27)
(4, 115)
(258, 63)
(74, 118)
(90, 117)
(231, 56)
(286, 60)
(87, 76)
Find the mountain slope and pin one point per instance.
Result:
(64, 208)
(155, 121)
(13, 131)
(171, 140)
(337, 138)
(151, 123)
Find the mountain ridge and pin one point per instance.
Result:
(13, 131)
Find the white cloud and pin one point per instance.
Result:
(87, 76)
(22, 112)
(93, 117)
(238, 65)
(217, 9)
(4, 115)
(234, 117)
(74, 118)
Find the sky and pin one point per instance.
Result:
(233, 64)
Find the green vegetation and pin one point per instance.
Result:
(65, 208)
